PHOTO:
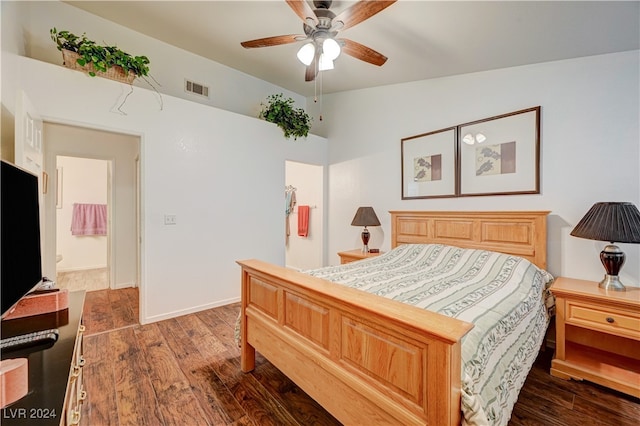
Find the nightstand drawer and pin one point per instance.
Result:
(620, 323)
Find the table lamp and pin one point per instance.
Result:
(616, 223)
(365, 216)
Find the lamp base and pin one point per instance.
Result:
(365, 240)
(612, 259)
(612, 282)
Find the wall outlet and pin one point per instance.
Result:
(170, 219)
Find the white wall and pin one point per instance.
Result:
(220, 173)
(308, 179)
(10, 42)
(81, 180)
(193, 157)
(27, 32)
(589, 146)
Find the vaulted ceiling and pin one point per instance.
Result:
(422, 39)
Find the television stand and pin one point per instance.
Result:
(56, 389)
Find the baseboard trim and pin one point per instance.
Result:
(125, 285)
(295, 268)
(192, 310)
(83, 268)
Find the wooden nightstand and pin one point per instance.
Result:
(597, 335)
(353, 255)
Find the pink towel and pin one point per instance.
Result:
(303, 221)
(89, 219)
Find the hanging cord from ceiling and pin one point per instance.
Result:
(315, 88)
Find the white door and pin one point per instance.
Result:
(28, 144)
(29, 150)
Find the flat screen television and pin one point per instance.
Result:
(19, 235)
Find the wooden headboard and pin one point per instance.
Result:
(522, 233)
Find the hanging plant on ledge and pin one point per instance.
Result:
(293, 121)
(78, 52)
(81, 54)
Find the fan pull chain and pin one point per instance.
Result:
(320, 96)
(315, 89)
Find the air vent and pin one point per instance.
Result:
(196, 88)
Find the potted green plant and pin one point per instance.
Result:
(280, 110)
(80, 53)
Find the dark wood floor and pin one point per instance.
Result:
(108, 310)
(186, 371)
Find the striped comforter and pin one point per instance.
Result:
(505, 297)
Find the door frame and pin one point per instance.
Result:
(139, 275)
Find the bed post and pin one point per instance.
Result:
(247, 352)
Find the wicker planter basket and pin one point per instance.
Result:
(114, 73)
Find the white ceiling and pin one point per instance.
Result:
(422, 39)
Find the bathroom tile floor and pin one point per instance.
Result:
(89, 280)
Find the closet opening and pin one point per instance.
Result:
(304, 215)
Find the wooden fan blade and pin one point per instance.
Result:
(271, 41)
(360, 11)
(362, 52)
(312, 69)
(303, 10)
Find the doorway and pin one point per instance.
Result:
(117, 154)
(82, 228)
(304, 250)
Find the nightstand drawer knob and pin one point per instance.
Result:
(610, 320)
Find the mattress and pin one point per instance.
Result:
(506, 297)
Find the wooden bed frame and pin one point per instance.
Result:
(367, 359)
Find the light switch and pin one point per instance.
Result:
(170, 219)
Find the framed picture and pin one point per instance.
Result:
(429, 165)
(500, 155)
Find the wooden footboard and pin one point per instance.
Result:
(365, 359)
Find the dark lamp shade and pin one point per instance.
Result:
(365, 216)
(613, 222)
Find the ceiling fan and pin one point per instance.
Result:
(321, 27)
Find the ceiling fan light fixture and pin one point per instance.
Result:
(331, 49)
(306, 53)
(325, 63)
(320, 29)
